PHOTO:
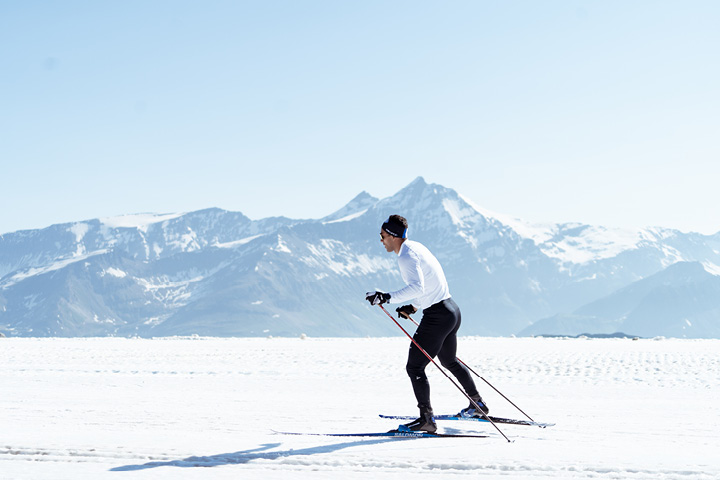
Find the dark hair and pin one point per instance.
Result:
(396, 226)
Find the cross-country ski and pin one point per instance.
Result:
(508, 421)
(398, 433)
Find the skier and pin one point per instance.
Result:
(437, 331)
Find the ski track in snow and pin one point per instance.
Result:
(206, 407)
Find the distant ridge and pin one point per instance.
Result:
(593, 335)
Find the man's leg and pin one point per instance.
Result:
(417, 361)
(448, 351)
(448, 357)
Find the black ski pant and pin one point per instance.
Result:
(437, 335)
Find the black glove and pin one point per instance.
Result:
(377, 298)
(405, 311)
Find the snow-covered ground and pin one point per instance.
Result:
(204, 408)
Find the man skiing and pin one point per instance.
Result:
(437, 332)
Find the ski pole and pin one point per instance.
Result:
(477, 407)
(478, 375)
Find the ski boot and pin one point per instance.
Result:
(426, 422)
(471, 411)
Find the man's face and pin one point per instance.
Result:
(388, 241)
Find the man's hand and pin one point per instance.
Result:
(405, 311)
(377, 298)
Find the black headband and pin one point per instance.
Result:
(396, 229)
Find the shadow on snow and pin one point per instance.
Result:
(245, 456)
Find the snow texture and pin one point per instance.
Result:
(204, 408)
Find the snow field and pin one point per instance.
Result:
(163, 408)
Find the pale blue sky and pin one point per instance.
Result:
(603, 112)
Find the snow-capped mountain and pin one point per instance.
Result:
(214, 272)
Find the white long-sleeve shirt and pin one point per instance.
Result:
(423, 274)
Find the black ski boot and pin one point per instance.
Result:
(426, 422)
(471, 411)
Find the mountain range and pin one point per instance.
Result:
(215, 272)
